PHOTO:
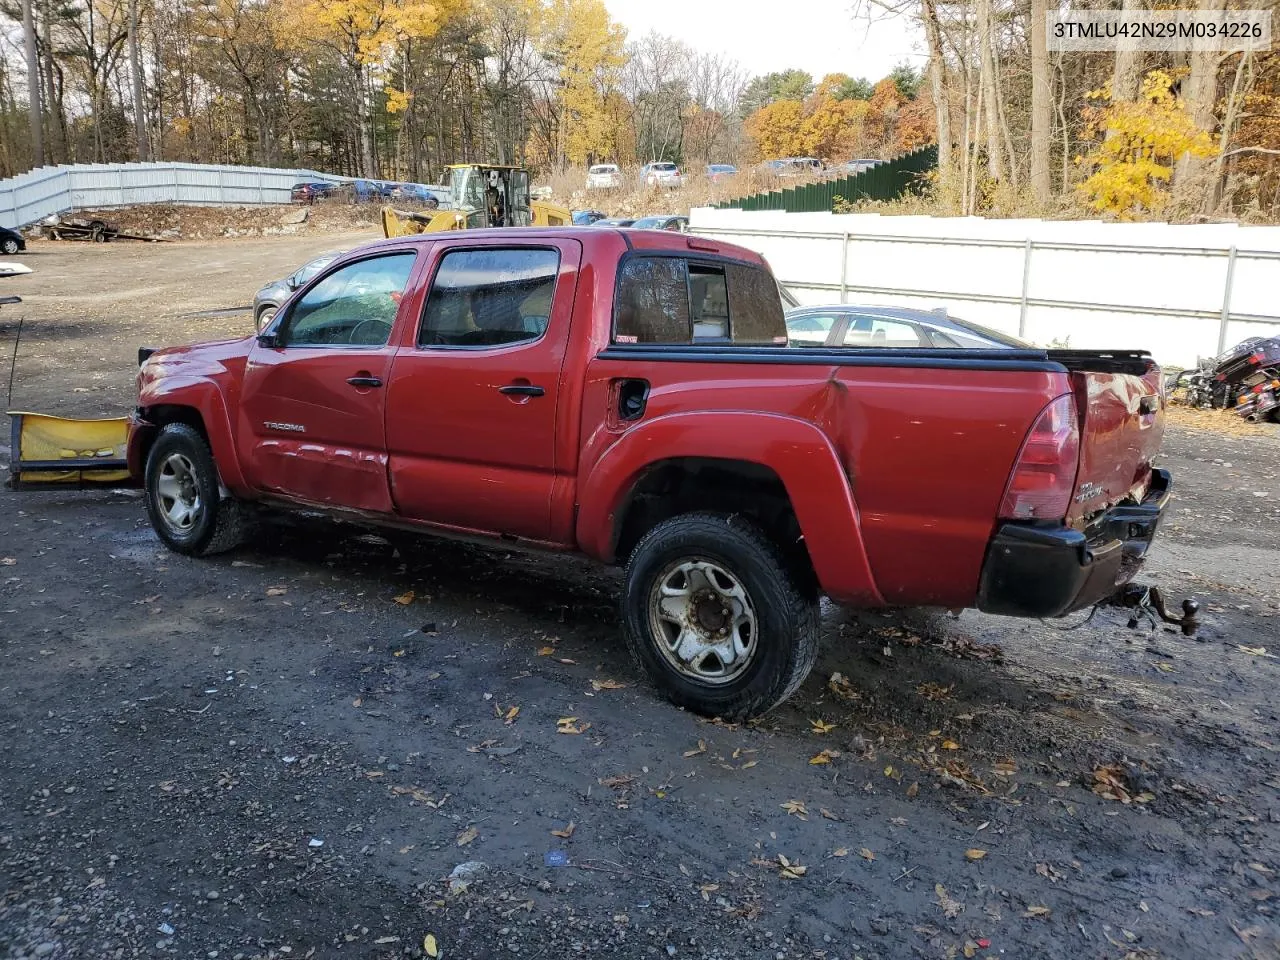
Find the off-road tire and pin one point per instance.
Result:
(221, 524)
(787, 612)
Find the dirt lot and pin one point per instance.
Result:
(269, 755)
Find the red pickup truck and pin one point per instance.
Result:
(629, 395)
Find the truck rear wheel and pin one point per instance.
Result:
(716, 617)
(184, 504)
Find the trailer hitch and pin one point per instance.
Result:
(1147, 603)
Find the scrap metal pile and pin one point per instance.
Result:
(1245, 379)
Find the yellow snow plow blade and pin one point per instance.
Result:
(56, 451)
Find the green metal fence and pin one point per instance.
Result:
(888, 181)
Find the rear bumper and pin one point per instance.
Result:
(1038, 572)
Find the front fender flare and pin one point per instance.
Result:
(206, 399)
(797, 451)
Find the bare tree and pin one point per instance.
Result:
(1041, 97)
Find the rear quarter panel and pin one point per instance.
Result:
(925, 454)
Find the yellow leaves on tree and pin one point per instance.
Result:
(589, 49)
(1141, 141)
(827, 126)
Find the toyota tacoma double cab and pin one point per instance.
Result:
(629, 395)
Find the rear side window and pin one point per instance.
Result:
(755, 307)
(490, 298)
(676, 300)
(653, 301)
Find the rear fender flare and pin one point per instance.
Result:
(206, 400)
(797, 451)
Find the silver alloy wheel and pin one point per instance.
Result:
(703, 621)
(179, 499)
(11, 246)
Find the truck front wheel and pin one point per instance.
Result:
(184, 503)
(716, 617)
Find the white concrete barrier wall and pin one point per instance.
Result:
(35, 195)
(1084, 284)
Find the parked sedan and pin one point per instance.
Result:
(721, 171)
(11, 241)
(674, 224)
(272, 297)
(856, 326)
(614, 222)
(584, 218)
(309, 191)
(661, 174)
(604, 176)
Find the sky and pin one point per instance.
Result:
(820, 36)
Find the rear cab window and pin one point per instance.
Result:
(683, 301)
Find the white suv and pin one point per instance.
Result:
(661, 174)
(604, 176)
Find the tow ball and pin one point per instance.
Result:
(1147, 603)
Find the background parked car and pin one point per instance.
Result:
(432, 195)
(860, 166)
(309, 191)
(854, 326)
(721, 171)
(584, 218)
(271, 297)
(674, 224)
(661, 174)
(11, 241)
(614, 222)
(604, 176)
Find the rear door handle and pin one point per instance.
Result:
(364, 381)
(522, 390)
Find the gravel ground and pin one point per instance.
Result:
(285, 752)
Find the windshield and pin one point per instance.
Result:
(466, 188)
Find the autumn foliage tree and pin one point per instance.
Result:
(1131, 164)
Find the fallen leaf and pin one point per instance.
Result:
(840, 852)
(277, 591)
(546, 651)
(839, 685)
(700, 748)
(566, 833)
(1252, 651)
(1200, 911)
(1037, 912)
(570, 725)
(707, 889)
(405, 598)
(913, 790)
(8, 561)
(511, 715)
(950, 745)
(429, 946)
(382, 940)
(796, 808)
(826, 756)
(950, 908)
(467, 836)
(820, 726)
(358, 701)
(866, 854)
(974, 854)
(791, 871)
(935, 691)
(828, 814)
(599, 685)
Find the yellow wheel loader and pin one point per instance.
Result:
(482, 195)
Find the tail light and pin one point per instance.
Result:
(1045, 472)
(1256, 359)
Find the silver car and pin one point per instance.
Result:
(661, 174)
(604, 176)
(271, 298)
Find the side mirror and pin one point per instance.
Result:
(269, 340)
(292, 283)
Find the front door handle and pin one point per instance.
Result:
(364, 381)
(522, 390)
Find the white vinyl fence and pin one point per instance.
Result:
(34, 195)
(1182, 292)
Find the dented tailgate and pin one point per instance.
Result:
(1121, 425)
